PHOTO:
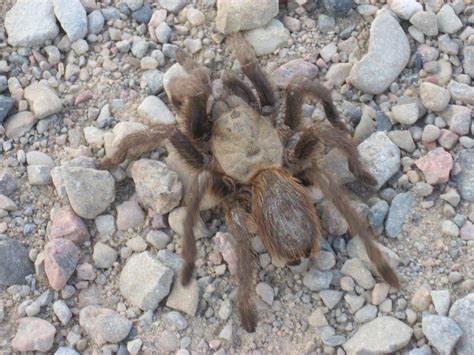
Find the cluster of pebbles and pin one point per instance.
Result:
(89, 259)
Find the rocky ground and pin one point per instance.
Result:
(89, 260)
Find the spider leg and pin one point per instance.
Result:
(337, 138)
(246, 265)
(238, 87)
(248, 61)
(301, 88)
(357, 225)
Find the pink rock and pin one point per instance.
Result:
(436, 166)
(68, 225)
(61, 257)
(447, 139)
(227, 246)
(129, 215)
(157, 220)
(83, 97)
(467, 231)
(283, 74)
(34, 334)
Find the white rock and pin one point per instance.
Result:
(73, 18)
(43, 100)
(448, 22)
(268, 39)
(405, 8)
(154, 111)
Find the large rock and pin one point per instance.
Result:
(104, 325)
(382, 335)
(442, 332)
(401, 205)
(34, 334)
(381, 157)
(72, 17)
(268, 39)
(43, 100)
(465, 178)
(157, 187)
(15, 264)
(462, 312)
(239, 15)
(388, 55)
(145, 282)
(90, 192)
(31, 25)
(19, 124)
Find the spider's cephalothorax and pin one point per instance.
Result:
(256, 169)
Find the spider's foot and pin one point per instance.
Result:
(186, 274)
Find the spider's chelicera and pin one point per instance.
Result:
(256, 169)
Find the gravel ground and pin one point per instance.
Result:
(89, 260)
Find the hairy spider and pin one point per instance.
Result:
(257, 170)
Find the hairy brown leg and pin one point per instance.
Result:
(336, 138)
(357, 224)
(246, 266)
(238, 87)
(245, 54)
(136, 144)
(301, 89)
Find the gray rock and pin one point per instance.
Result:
(154, 111)
(382, 335)
(34, 334)
(62, 311)
(377, 214)
(366, 314)
(461, 92)
(381, 157)
(468, 62)
(134, 4)
(6, 104)
(104, 325)
(338, 72)
(8, 183)
(43, 100)
(399, 209)
(61, 257)
(153, 80)
(405, 9)
(403, 140)
(240, 15)
(441, 301)
(265, 291)
(144, 281)
(158, 239)
(39, 175)
(356, 269)
(388, 55)
(465, 178)
(448, 22)
(143, 15)
(184, 298)
(173, 6)
(19, 124)
(462, 312)
(73, 18)
(105, 224)
(171, 260)
(64, 350)
(449, 229)
(461, 123)
(163, 32)
(157, 187)
(335, 164)
(406, 114)
(316, 280)
(266, 40)
(104, 256)
(29, 26)
(95, 22)
(442, 332)
(15, 264)
(330, 297)
(425, 21)
(338, 8)
(434, 97)
(175, 319)
(129, 215)
(89, 191)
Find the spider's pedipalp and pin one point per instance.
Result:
(245, 54)
(246, 265)
(301, 88)
(284, 214)
(357, 224)
(137, 144)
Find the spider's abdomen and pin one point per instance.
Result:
(243, 142)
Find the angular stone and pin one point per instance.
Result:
(434, 97)
(30, 26)
(34, 334)
(436, 166)
(448, 22)
(104, 325)
(184, 298)
(144, 281)
(356, 269)
(72, 17)
(66, 224)
(387, 56)
(382, 335)
(316, 280)
(19, 124)
(465, 178)
(239, 15)
(401, 205)
(15, 264)
(442, 332)
(61, 257)
(154, 111)
(462, 312)
(268, 39)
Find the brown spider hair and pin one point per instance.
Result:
(236, 151)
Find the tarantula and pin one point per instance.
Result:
(258, 170)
